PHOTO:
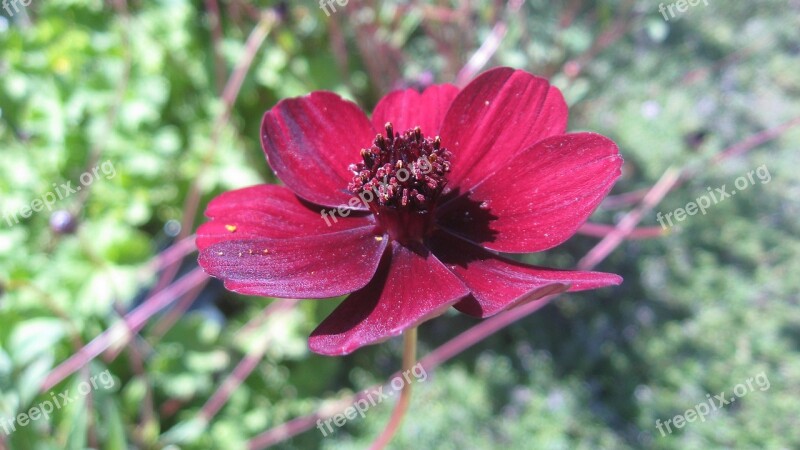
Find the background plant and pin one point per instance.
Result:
(172, 92)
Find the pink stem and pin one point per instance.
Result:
(173, 254)
(487, 49)
(121, 332)
(176, 312)
(401, 408)
(229, 95)
(629, 222)
(216, 37)
(244, 367)
(602, 230)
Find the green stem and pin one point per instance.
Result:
(399, 412)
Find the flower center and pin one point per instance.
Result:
(400, 179)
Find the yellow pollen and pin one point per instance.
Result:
(230, 228)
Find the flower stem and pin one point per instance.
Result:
(409, 359)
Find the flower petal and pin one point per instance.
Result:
(309, 142)
(314, 266)
(540, 199)
(408, 108)
(498, 283)
(269, 211)
(410, 288)
(498, 115)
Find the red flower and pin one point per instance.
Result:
(409, 222)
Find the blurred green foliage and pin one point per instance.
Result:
(138, 85)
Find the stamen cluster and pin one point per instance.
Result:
(401, 170)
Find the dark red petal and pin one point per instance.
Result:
(314, 266)
(309, 142)
(408, 108)
(269, 211)
(498, 115)
(409, 288)
(499, 283)
(540, 199)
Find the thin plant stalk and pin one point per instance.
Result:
(399, 412)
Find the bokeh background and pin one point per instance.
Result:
(170, 95)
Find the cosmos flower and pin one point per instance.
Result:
(414, 220)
